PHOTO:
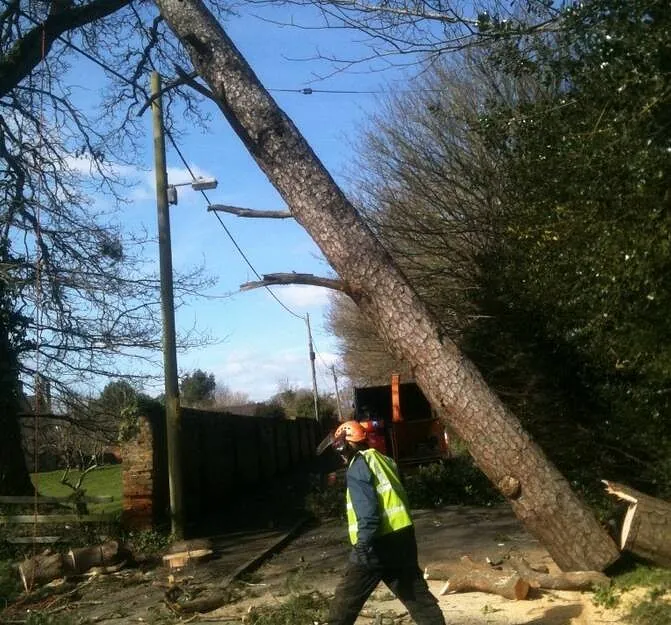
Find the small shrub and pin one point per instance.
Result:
(606, 597)
(450, 482)
(326, 501)
(10, 586)
(148, 542)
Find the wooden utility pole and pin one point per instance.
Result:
(172, 408)
(335, 383)
(315, 394)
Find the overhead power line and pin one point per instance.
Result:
(311, 91)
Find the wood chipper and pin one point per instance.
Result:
(400, 422)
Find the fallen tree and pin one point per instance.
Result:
(543, 499)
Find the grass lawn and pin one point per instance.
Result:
(102, 481)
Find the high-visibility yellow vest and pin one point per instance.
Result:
(391, 496)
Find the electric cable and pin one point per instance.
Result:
(227, 231)
(311, 91)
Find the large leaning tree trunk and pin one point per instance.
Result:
(538, 493)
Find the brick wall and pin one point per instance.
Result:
(138, 478)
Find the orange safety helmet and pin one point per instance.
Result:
(350, 432)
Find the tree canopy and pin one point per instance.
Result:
(197, 389)
(77, 294)
(524, 190)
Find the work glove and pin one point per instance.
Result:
(363, 555)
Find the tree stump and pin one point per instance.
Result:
(646, 529)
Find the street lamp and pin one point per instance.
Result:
(198, 184)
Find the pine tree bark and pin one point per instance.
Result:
(543, 499)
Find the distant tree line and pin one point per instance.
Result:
(89, 430)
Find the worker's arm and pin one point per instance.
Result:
(364, 501)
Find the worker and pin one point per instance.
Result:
(381, 531)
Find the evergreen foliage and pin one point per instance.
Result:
(197, 389)
(525, 192)
(578, 274)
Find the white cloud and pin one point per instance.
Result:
(85, 166)
(300, 296)
(261, 373)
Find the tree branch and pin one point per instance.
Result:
(249, 212)
(28, 51)
(448, 16)
(189, 79)
(185, 79)
(274, 279)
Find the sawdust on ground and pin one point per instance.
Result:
(315, 560)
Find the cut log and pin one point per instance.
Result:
(646, 528)
(508, 584)
(85, 558)
(577, 580)
(42, 569)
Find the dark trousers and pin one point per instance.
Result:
(397, 567)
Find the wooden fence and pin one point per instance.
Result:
(65, 515)
(223, 454)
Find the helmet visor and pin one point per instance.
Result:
(327, 441)
(338, 442)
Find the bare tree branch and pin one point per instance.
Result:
(250, 212)
(274, 279)
(189, 79)
(29, 50)
(182, 80)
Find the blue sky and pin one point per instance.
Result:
(259, 345)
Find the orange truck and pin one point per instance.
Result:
(400, 422)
